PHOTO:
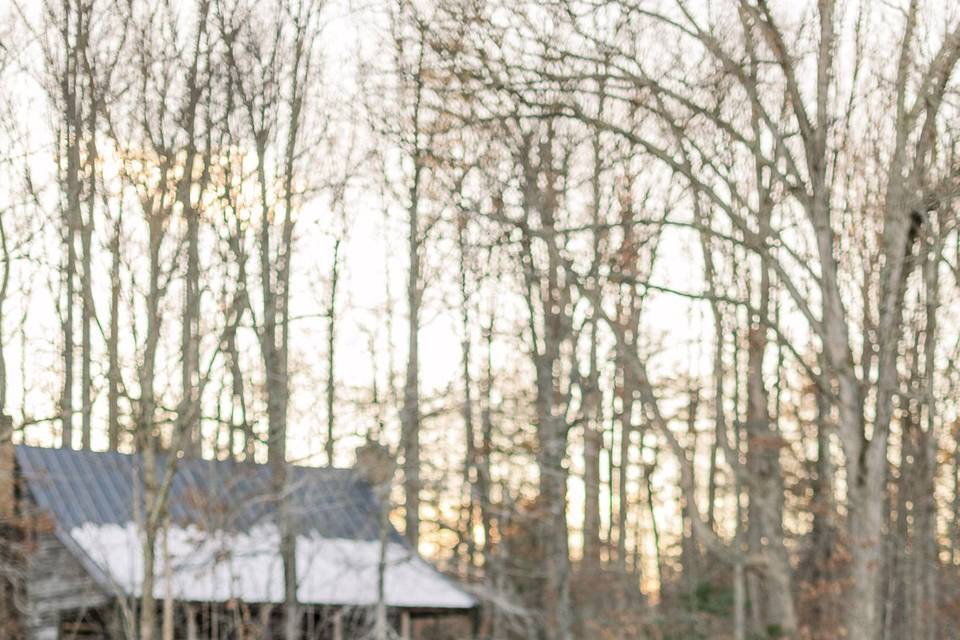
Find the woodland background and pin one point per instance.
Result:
(655, 302)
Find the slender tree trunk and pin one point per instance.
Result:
(273, 346)
(331, 395)
(238, 399)
(86, 239)
(276, 379)
(6, 423)
(955, 502)
(712, 486)
(72, 132)
(591, 395)
(148, 607)
(930, 540)
(654, 523)
(188, 418)
(690, 559)
(410, 412)
(289, 527)
(188, 414)
(168, 603)
(592, 416)
(288, 553)
(593, 441)
(147, 435)
(381, 627)
(623, 476)
(113, 339)
(612, 470)
(490, 567)
(470, 461)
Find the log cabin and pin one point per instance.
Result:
(72, 524)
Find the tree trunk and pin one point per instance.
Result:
(331, 395)
(623, 471)
(410, 413)
(288, 554)
(188, 421)
(593, 443)
(147, 439)
(548, 290)
(490, 567)
(553, 501)
(6, 423)
(592, 417)
(148, 608)
(766, 499)
(470, 460)
(86, 241)
(113, 339)
(71, 140)
(690, 559)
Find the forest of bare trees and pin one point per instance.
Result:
(654, 302)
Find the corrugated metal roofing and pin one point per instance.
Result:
(95, 498)
(78, 487)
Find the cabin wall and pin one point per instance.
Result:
(56, 583)
(449, 626)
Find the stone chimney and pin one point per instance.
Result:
(376, 464)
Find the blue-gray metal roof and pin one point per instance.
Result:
(95, 500)
(78, 487)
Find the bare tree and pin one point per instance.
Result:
(276, 66)
(805, 172)
(410, 131)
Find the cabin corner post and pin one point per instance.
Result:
(475, 622)
(338, 624)
(405, 625)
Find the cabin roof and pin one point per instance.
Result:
(222, 540)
